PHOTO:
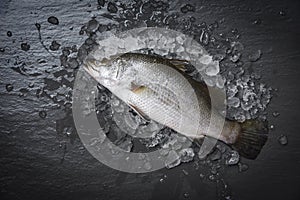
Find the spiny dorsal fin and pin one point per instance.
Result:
(139, 112)
(179, 64)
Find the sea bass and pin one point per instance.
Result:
(158, 89)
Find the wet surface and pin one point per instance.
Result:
(41, 49)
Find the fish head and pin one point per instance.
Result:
(105, 71)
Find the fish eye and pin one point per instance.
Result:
(97, 63)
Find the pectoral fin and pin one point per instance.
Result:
(139, 112)
(137, 89)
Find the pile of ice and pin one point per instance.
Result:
(224, 67)
(245, 98)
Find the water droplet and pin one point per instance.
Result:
(92, 25)
(24, 90)
(234, 31)
(283, 140)
(185, 172)
(163, 178)
(73, 63)
(38, 26)
(25, 46)
(43, 114)
(111, 7)
(211, 177)
(255, 56)
(81, 148)
(192, 19)
(102, 28)
(54, 46)
(204, 37)
(228, 198)
(127, 23)
(9, 87)
(9, 33)
(186, 195)
(243, 167)
(31, 84)
(68, 131)
(81, 32)
(275, 114)
(257, 21)
(233, 158)
(282, 13)
(53, 20)
(187, 8)
(101, 2)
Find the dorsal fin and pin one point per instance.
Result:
(179, 64)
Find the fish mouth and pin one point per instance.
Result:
(89, 65)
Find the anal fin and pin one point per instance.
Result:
(139, 112)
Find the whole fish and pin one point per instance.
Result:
(158, 89)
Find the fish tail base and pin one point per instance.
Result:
(252, 138)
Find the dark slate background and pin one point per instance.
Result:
(38, 163)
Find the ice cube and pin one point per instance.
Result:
(233, 102)
(210, 80)
(186, 155)
(180, 39)
(205, 59)
(255, 56)
(233, 158)
(216, 155)
(247, 105)
(237, 47)
(131, 121)
(212, 68)
(220, 81)
(172, 160)
(235, 58)
(283, 140)
(231, 90)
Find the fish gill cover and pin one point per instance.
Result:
(247, 96)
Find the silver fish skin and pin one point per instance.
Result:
(156, 89)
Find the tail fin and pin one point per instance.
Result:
(252, 138)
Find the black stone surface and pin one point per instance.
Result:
(39, 163)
